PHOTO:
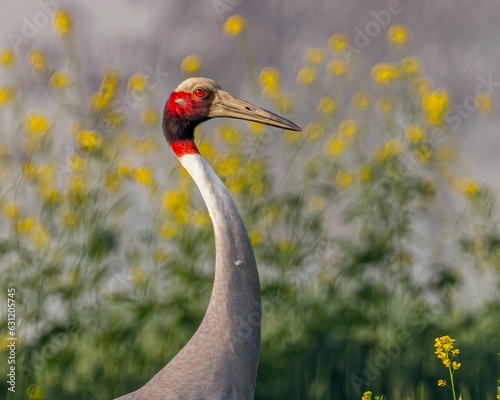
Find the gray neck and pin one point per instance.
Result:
(220, 361)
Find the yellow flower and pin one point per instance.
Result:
(229, 134)
(441, 382)
(191, 64)
(11, 210)
(6, 94)
(384, 105)
(384, 74)
(234, 25)
(327, 105)
(76, 162)
(284, 103)
(392, 148)
(398, 36)
(455, 365)
(344, 178)
(364, 173)
(7, 57)
(137, 83)
(27, 224)
(338, 67)
(37, 60)
(36, 125)
(335, 145)
(59, 80)
(362, 101)
(269, 79)
(34, 392)
(314, 131)
(62, 23)
(89, 139)
(107, 91)
(415, 133)
(469, 187)
(174, 199)
(124, 169)
(367, 395)
(436, 106)
(307, 76)
(338, 43)
(229, 166)
(410, 66)
(255, 237)
(485, 101)
(149, 116)
(315, 56)
(167, 230)
(348, 128)
(144, 176)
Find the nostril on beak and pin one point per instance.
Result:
(248, 108)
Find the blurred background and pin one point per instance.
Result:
(376, 229)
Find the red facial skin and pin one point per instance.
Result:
(183, 112)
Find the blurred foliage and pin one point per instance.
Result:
(110, 248)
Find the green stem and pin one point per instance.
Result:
(452, 382)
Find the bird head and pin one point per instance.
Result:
(198, 99)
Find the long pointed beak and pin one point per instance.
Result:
(229, 106)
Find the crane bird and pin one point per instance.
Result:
(220, 360)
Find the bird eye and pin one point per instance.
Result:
(199, 93)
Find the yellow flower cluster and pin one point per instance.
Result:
(234, 26)
(269, 79)
(138, 83)
(436, 106)
(31, 226)
(11, 210)
(176, 203)
(385, 74)
(37, 60)
(6, 94)
(485, 101)
(108, 91)
(307, 76)
(392, 148)
(60, 80)
(88, 139)
(398, 36)
(469, 187)
(327, 105)
(446, 351)
(338, 67)
(415, 133)
(36, 125)
(7, 57)
(367, 395)
(362, 101)
(338, 43)
(62, 23)
(315, 56)
(191, 64)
